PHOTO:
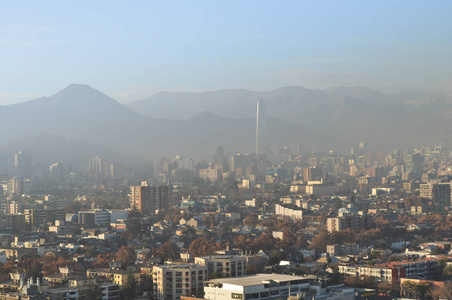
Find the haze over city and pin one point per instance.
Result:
(225, 150)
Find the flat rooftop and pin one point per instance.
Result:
(256, 279)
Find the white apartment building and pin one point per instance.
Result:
(289, 211)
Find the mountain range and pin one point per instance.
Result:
(80, 122)
(348, 114)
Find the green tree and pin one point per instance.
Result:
(447, 273)
(129, 290)
(134, 225)
(91, 292)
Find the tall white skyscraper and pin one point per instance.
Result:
(261, 128)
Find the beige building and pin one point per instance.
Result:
(112, 275)
(353, 221)
(439, 192)
(342, 249)
(320, 189)
(176, 280)
(212, 174)
(223, 265)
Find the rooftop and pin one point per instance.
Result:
(256, 279)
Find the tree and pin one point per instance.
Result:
(102, 260)
(441, 292)
(390, 289)
(31, 266)
(134, 226)
(289, 239)
(202, 246)
(320, 241)
(129, 290)
(447, 273)
(422, 288)
(407, 287)
(251, 220)
(242, 241)
(360, 282)
(5, 269)
(264, 242)
(126, 255)
(165, 251)
(92, 292)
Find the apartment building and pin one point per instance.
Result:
(175, 280)
(223, 265)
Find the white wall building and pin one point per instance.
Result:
(291, 212)
(258, 286)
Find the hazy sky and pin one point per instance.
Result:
(132, 49)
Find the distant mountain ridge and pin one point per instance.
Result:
(241, 103)
(346, 113)
(81, 116)
(79, 121)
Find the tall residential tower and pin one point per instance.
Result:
(261, 128)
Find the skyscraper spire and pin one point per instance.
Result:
(261, 127)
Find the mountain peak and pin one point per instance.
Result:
(78, 90)
(79, 94)
(71, 97)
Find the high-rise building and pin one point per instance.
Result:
(439, 192)
(23, 164)
(149, 199)
(175, 280)
(261, 130)
(99, 168)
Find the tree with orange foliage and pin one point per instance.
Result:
(202, 246)
(102, 260)
(360, 282)
(251, 220)
(126, 255)
(242, 241)
(441, 292)
(320, 241)
(5, 269)
(264, 242)
(165, 251)
(31, 266)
